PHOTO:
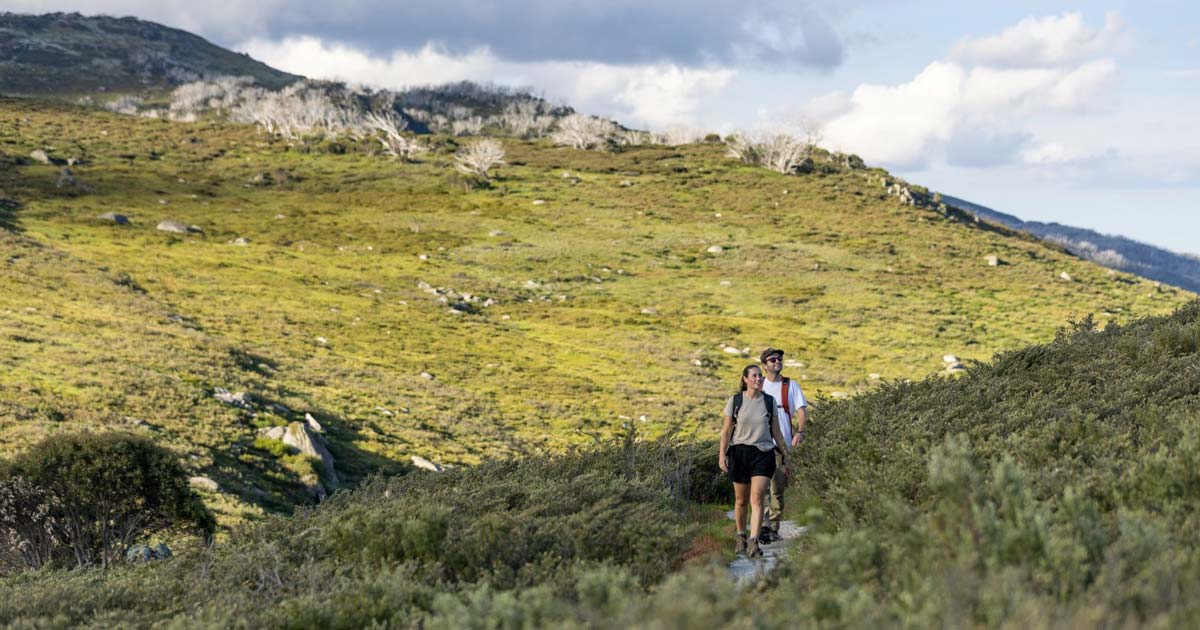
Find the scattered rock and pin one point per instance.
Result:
(272, 433)
(625, 183)
(425, 464)
(39, 155)
(1065, 276)
(715, 249)
(241, 240)
(385, 412)
(298, 437)
(725, 283)
(874, 376)
(649, 311)
(496, 233)
(949, 358)
(119, 219)
(143, 553)
(204, 483)
(240, 399)
(840, 395)
(313, 425)
(427, 376)
(323, 341)
(993, 261)
(538, 202)
(732, 350)
(177, 227)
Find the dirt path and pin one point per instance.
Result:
(745, 570)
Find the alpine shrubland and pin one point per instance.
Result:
(1053, 486)
(410, 315)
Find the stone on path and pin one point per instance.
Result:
(39, 155)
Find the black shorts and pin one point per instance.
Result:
(747, 461)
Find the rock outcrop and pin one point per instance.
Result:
(298, 436)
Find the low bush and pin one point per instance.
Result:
(82, 500)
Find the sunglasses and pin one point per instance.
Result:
(773, 360)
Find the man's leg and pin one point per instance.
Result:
(779, 484)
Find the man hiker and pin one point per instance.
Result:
(791, 404)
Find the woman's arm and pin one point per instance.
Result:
(777, 433)
(726, 432)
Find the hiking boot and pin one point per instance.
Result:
(752, 549)
(741, 544)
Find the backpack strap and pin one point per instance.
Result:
(786, 392)
(737, 406)
(770, 403)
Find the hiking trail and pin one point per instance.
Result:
(745, 570)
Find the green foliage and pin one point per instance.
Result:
(94, 496)
(1053, 487)
(512, 541)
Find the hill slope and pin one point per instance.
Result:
(409, 316)
(1115, 252)
(68, 54)
(1053, 487)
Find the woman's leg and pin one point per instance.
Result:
(741, 496)
(757, 490)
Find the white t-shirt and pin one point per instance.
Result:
(797, 401)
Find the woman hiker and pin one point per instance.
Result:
(748, 445)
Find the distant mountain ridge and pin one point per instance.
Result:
(1114, 252)
(73, 54)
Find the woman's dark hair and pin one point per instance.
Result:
(745, 373)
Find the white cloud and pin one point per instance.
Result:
(1045, 41)
(667, 95)
(312, 57)
(978, 115)
(898, 124)
(1074, 90)
(657, 95)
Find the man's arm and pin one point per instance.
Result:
(801, 417)
(801, 414)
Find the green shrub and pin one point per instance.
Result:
(96, 494)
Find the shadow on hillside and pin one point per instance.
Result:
(8, 215)
(338, 434)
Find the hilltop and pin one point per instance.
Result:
(72, 55)
(1114, 252)
(582, 292)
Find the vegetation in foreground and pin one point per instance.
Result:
(410, 316)
(1055, 486)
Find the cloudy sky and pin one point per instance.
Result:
(1084, 113)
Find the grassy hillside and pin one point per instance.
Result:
(1055, 486)
(68, 54)
(607, 305)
